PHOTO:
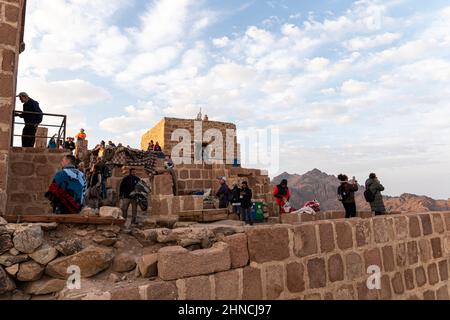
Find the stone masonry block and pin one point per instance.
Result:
(295, 277)
(274, 281)
(252, 284)
(344, 235)
(268, 244)
(326, 236)
(335, 268)
(388, 258)
(317, 273)
(227, 285)
(238, 249)
(177, 262)
(305, 242)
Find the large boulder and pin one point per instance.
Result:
(124, 262)
(8, 260)
(91, 261)
(110, 212)
(44, 286)
(30, 271)
(6, 284)
(28, 239)
(44, 255)
(3, 222)
(70, 247)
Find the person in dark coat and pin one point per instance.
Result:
(127, 186)
(374, 185)
(223, 194)
(246, 203)
(236, 200)
(346, 194)
(32, 117)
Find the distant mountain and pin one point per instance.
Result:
(317, 185)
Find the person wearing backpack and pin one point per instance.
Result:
(346, 194)
(373, 194)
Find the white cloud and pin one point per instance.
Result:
(354, 87)
(63, 95)
(221, 42)
(363, 43)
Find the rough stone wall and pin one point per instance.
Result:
(312, 261)
(10, 37)
(31, 172)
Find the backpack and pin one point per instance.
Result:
(368, 195)
(107, 171)
(342, 194)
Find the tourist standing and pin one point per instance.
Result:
(346, 194)
(127, 186)
(246, 203)
(32, 116)
(223, 194)
(375, 197)
(236, 200)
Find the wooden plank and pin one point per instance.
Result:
(69, 219)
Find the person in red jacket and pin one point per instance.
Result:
(282, 194)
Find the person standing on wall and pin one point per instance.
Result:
(346, 194)
(373, 194)
(246, 203)
(127, 186)
(32, 116)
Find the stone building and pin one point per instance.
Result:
(195, 140)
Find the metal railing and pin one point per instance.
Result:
(60, 136)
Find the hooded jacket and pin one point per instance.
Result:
(376, 187)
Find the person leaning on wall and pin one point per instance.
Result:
(32, 116)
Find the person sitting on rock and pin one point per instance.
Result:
(127, 186)
(67, 190)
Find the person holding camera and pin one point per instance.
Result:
(346, 194)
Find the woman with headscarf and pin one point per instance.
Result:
(282, 194)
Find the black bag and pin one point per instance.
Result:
(368, 195)
(342, 194)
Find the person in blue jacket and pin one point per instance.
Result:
(32, 117)
(68, 188)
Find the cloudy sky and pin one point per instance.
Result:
(353, 86)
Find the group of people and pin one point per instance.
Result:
(152, 146)
(372, 194)
(73, 187)
(239, 197)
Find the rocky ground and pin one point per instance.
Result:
(35, 258)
